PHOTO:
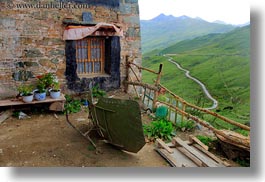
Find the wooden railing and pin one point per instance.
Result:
(179, 109)
(149, 92)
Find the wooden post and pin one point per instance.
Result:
(144, 94)
(183, 109)
(169, 110)
(157, 83)
(176, 113)
(134, 88)
(127, 74)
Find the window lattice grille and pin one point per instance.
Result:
(90, 55)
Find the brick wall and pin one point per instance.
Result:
(31, 38)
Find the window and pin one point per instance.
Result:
(90, 56)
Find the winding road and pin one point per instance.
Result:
(205, 90)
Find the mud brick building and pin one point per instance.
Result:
(37, 37)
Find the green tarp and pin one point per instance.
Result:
(120, 123)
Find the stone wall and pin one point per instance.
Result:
(31, 38)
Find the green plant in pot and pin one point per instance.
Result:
(47, 79)
(40, 93)
(55, 92)
(26, 91)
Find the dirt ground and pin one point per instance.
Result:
(47, 140)
(44, 140)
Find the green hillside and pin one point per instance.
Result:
(220, 61)
(234, 42)
(164, 31)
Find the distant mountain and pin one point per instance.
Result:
(236, 41)
(163, 31)
(220, 22)
(244, 24)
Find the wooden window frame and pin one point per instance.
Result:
(89, 52)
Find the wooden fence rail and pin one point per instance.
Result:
(180, 106)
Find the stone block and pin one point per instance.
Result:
(125, 9)
(26, 40)
(132, 20)
(47, 63)
(56, 52)
(30, 64)
(51, 41)
(133, 32)
(7, 23)
(131, 1)
(34, 52)
(87, 17)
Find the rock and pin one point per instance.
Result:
(23, 116)
(1, 151)
(32, 53)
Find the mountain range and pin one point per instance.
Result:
(165, 30)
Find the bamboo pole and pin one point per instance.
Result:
(176, 114)
(157, 82)
(141, 84)
(242, 126)
(169, 111)
(134, 73)
(144, 94)
(183, 109)
(142, 68)
(148, 98)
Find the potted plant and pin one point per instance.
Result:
(55, 91)
(26, 91)
(47, 79)
(40, 93)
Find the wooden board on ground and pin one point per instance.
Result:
(5, 115)
(185, 155)
(176, 159)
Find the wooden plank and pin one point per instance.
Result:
(212, 156)
(20, 102)
(177, 159)
(168, 157)
(161, 144)
(191, 157)
(205, 161)
(5, 115)
(196, 140)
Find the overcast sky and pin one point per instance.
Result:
(229, 11)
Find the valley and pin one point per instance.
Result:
(221, 61)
